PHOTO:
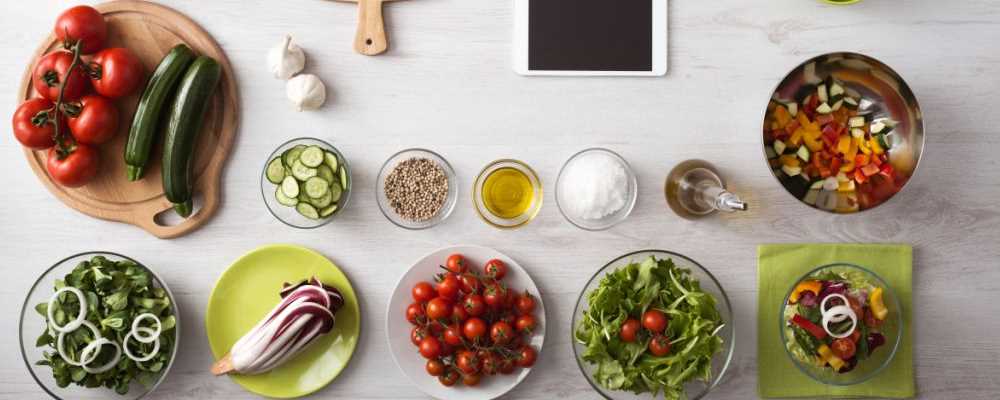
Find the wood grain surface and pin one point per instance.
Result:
(447, 85)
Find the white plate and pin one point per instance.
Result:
(398, 329)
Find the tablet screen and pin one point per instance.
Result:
(590, 35)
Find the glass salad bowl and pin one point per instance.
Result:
(304, 211)
(32, 324)
(860, 283)
(720, 360)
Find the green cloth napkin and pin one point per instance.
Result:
(778, 267)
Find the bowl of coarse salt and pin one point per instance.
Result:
(596, 189)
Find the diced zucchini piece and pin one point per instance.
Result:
(837, 103)
(803, 153)
(850, 103)
(301, 172)
(323, 201)
(323, 171)
(336, 192)
(326, 212)
(769, 152)
(829, 203)
(316, 187)
(312, 156)
(817, 185)
(821, 93)
(857, 133)
(830, 184)
(343, 179)
(779, 147)
(292, 154)
(284, 200)
(792, 107)
(275, 171)
(836, 89)
(791, 171)
(877, 127)
(824, 109)
(856, 122)
(331, 160)
(810, 198)
(841, 177)
(882, 142)
(307, 210)
(290, 187)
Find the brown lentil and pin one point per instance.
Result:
(416, 189)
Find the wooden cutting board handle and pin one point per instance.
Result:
(370, 39)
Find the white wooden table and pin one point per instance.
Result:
(446, 84)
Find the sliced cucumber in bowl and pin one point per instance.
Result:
(310, 178)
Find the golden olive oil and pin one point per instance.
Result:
(508, 193)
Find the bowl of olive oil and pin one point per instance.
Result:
(507, 194)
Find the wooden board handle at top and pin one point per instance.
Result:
(370, 38)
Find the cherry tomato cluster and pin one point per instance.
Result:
(73, 111)
(653, 326)
(469, 324)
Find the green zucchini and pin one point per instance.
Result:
(183, 126)
(145, 124)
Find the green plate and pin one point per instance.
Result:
(249, 289)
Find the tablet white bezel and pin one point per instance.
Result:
(659, 47)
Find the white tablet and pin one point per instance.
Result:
(590, 37)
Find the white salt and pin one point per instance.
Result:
(594, 186)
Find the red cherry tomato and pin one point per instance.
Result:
(430, 347)
(415, 314)
(471, 380)
(456, 264)
(654, 320)
(526, 356)
(501, 333)
(417, 334)
(525, 324)
(446, 349)
(52, 70)
(508, 317)
(629, 330)
(34, 126)
(458, 313)
(468, 362)
(495, 269)
(855, 335)
(449, 377)
(843, 348)
(474, 305)
(115, 73)
(82, 23)
(470, 284)
(75, 169)
(452, 335)
(659, 345)
(506, 365)
(525, 303)
(423, 292)
(490, 362)
(495, 296)
(435, 367)
(438, 309)
(474, 328)
(95, 121)
(448, 286)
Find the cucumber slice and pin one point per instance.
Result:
(343, 178)
(284, 200)
(824, 109)
(290, 187)
(307, 210)
(301, 172)
(312, 156)
(324, 171)
(292, 154)
(316, 187)
(331, 160)
(326, 212)
(275, 171)
(336, 192)
(321, 202)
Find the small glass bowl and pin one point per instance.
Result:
(608, 220)
(497, 221)
(892, 329)
(288, 215)
(383, 201)
(31, 325)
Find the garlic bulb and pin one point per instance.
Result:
(286, 60)
(306, 91)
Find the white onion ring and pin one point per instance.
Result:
(834, 311)
(81, 316)
(62, 353)
(95, 347)
(135, 328)
(147, 357)
(838, 317)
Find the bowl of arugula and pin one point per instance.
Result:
(653, 323)
(99, 325)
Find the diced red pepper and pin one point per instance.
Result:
(860, 176)
(829, 130)
(835, 164)
(869, 170)
(877, 160)
(824, 119)
(792, 126)
(810, 327)
(831, 142)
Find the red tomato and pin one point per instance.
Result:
(417, 334)
(95, 121)
(423, 292)
(468, 362)
(415, 314)
(506, 365)
(449, 377)
(501, 333)
(470, 284)
(51, 71)
(438, 308)
(870, 319)
(490, 362)
(75, 169)
(474, 328)
(474, 305)
(115, 72)
(525, 303)
(509, 318)
(82, 23)
(446, 349)
(495, 296)
(659, 345)
(430, 347)
(495, 269)
(34, 125)
(525, 323)
(629, 330)
(855, 335)
(435, 367)
(843, 348)
(526, 356)
(452, 335)
(654, 320)
(859, 311)
(458, 313)
(471, 379)
(456, 264)
(448, 286)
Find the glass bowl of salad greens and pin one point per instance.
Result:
(306, 182)
(841, 324)
(653, 324)
(121, 346)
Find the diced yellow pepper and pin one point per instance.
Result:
(846, 187)
(803, 119)
(796, 138)
(844, 144)
(790, 160)
(826, 357)
(852, 150)
(805, 286)
(875, 146)
(863, 146)
(812, 142)
(782, 116)
(877, 305)
(861, 162)
(824, 352)
(847, 166)
(835, 362)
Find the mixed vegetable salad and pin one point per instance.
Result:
(829, 150)
(650, 328)
(834, 319)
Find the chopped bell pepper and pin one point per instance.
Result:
(876, 148)
(790, 160)
(844, 144)
(792, 126)
(826, 356)
(861, 160)
(870, 169)
(796, 138)
(781, 115)
(810, 327)
(805, 286)
(848, 166)
(811, 140)
(876, 304)
(860, 176)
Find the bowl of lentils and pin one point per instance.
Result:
(416, 189)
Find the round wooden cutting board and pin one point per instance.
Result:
(149, 30)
